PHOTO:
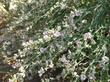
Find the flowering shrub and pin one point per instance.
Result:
(56, 40)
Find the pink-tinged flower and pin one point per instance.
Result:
(57, 34)
(87, 36)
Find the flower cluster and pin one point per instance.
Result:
(48, 35)
(103, 62)
(56, 40)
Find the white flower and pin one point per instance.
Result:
(64, 60)
(70, 43)
(14, 66)
(21, 74)
(71, 20)
(13, 79)
(59, 28)
(75, 74)
(43, 50)
(24, 44)
(64, 0)
(78, 43)
(45, 33)
(27, 29)
(52, 8)
(63, 6)
(21, 69)
(108, 80)
(57, 34)
(83, 77)
(12, 6)
(8, 53)
(84, 21)
(41, 71)
(78, 12)
(29, 1)
(47, 38)
(91, 76)
(40, 40)
(105, 59)
(51, 64)
(15, 56)
(31, 41)
(51, 31)
(10, 80)
(87, 36)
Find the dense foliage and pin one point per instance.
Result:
(55, 40)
